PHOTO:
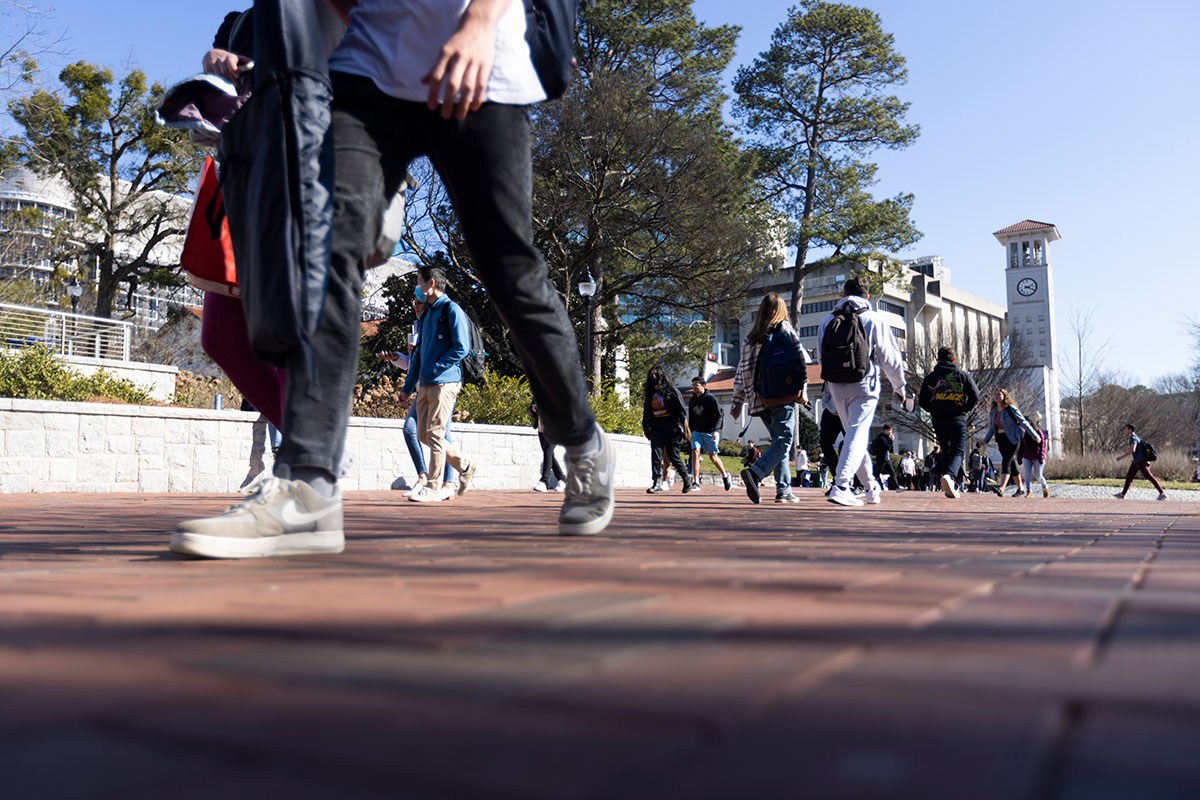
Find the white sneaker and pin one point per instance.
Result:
(464, 477)
(281, 518)
(874, 494)
(588, 503)
(948, 487)
(540, 486)
(427, 494)
(415, 490)
(561, 486)
(844, 497)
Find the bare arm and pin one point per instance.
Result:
(464, 64)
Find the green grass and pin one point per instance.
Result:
(1119, 482)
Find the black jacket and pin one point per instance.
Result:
(948, 392)
(672, 404)
(705, 414)
(881, 447)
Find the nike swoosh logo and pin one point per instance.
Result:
(291, 515)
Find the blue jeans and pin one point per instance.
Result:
(414, 444)
(781, 424)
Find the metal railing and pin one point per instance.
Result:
(64, 333)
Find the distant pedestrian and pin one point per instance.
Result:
(1007, 423)
(979, 467)
(706, 419)
(857, 349)
(881, 449)
(908, 470)
(949, 393)
(802, 465)
(551, 478)
(1032, 453)
(929, 481)
(1139, 453)
(664, 417)
(772, 321)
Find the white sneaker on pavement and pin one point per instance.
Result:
(588, 501)
(948, 487)
(427, 494)
(464, 477)
(874, 495)
(844, 497)
(540, 486)
(281, 518)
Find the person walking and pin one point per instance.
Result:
(435, 374)
(802, 465)
(831, 429)
(881, 449)
(1032, 454)
(663, 419)
(931, 469)
(551, 478)
(948, 394)
(857, 349)
(452, 81)
(978, 467)
(908, 471)
(1007, 423)
(706, 419)
(1139, 462)
(772, 320)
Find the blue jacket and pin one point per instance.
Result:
(1014, 423)
(442, 343)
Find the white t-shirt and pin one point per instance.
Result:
(396, 42)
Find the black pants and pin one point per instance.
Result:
(831, 429)
(552, 473)
(668, 439)
(484, 161)
(1008, 457)
(952, 438)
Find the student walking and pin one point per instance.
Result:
(857, 351)
(772, 321)
(663, 419)
(881, 449)
(551, 478)
(1032, 454)
(435, 374)
(979, 467)
(949, 393)
(1140, 457)
(451, 81)
(706, 419)
(1007, 423)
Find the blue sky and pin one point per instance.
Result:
(1082, 114)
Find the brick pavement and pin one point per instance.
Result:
(702, 647)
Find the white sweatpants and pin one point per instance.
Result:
(856, 408)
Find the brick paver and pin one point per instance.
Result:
(702, 647)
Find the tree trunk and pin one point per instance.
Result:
(594, 368)
(798, 282)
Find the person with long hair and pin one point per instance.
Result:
(781, 419)
(1032, 455)
(663, 417)
(1007, 423)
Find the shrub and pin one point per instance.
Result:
(615, 414)
(499, 400)
(380, 400)
(199, 391)
(36, 373)
(1172, 465)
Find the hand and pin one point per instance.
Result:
(735, 412)
(224, 63)
(463, 67)
(404, 396)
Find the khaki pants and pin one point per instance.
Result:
(434, 403)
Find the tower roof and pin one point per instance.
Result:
(1027, 225)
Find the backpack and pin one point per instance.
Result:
(1148, 452)
(550, 33)
(845, 352)
(779, 373)
(473, 362)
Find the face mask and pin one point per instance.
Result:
(417, 293)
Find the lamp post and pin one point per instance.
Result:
(587, 289)
(75, 290)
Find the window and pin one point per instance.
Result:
(899, 333)
(813, 308)
(1013, 259)
(894, 308)
(807, 330)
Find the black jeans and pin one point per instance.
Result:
(952, 438)
(831, 429)
(484, 161)
(552, 473)
(1008, 457)
(666, 438)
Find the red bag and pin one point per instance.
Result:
(207, 255)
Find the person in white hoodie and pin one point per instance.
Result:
(857, 349)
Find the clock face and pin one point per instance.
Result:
(1027, 286)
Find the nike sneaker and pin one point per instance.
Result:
(588, 501)
(281, 518)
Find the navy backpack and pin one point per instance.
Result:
(780, 372)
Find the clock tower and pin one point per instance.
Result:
(1031, 329)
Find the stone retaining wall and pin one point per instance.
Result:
(92, 447)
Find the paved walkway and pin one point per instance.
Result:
(702, 648)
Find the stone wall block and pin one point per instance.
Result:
(179, 458)
(119, 445)
(205, 431)
(205, 460)
(97, 467)
(127, 468)
(91, 434)
(25, 443)
(149, 428)
(150, 462)
(15, 484)
(179, 481)
(152, 481)
(61, 422)
(63, 474)
(62, 444)
(118, 426)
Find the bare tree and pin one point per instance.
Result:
(1083, 360)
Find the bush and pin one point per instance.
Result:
(1173, 465)
(499, 400)
(199, 391)
(380, 400)
(35, 373)
(615, 414)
